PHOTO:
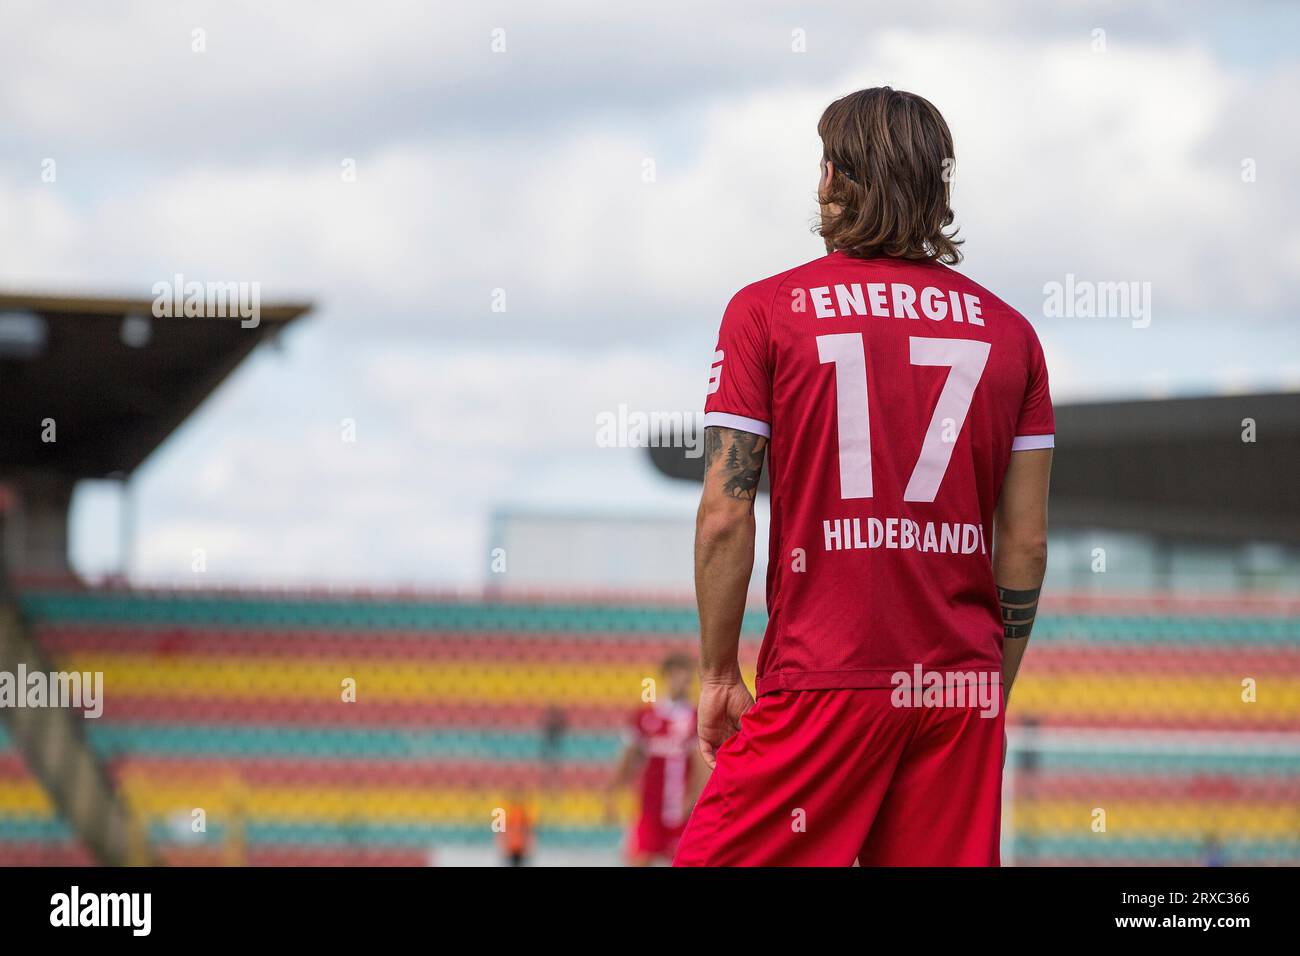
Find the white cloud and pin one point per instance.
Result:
(526, 175)
(1101, 164)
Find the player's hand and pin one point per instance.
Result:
(722, 703)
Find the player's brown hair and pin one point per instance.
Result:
(893, 159)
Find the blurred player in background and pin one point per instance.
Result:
(662, 750)
(516, 838)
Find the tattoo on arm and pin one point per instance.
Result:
(740, 459)
(1018, 611)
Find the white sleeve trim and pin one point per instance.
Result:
(1028, 442)
(738, 422)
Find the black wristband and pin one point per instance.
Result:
(1019, 608)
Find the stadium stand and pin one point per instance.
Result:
(233, 704)
(226, 732)
(31, 832)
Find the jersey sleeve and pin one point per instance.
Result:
(740, 377)
(1036, 427)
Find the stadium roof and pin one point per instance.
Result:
(1177, 468)
(115, 380)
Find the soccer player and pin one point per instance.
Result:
(906, 421)
(662, 749)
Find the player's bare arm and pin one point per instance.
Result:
(628, 764)
(724, 561)
(1020, 552)
(741, 462)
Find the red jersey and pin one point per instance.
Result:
(893, 394)
(665, 733)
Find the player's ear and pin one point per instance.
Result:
(828, 173)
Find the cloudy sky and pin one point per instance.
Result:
(613, 174)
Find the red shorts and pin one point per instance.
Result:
(652, 837)
(824, 777)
